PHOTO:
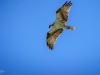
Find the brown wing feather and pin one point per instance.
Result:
(62, 13)
(51, 38)
(61, 7)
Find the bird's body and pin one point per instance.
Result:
(58, 26)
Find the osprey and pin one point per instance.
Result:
(60, 23)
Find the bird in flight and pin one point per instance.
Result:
(60, 23)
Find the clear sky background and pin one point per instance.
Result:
(23, 28)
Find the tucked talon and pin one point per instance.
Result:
(50, 26)
(72, 27)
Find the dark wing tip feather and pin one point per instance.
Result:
(61, 6)
(69, 3)
(65, 4)
(51, 46)
(48, 35)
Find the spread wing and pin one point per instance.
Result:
(62, 12)
(51, 37)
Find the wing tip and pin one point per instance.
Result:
(51, 47)
(67, 3)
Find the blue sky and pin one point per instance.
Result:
(23, 28)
